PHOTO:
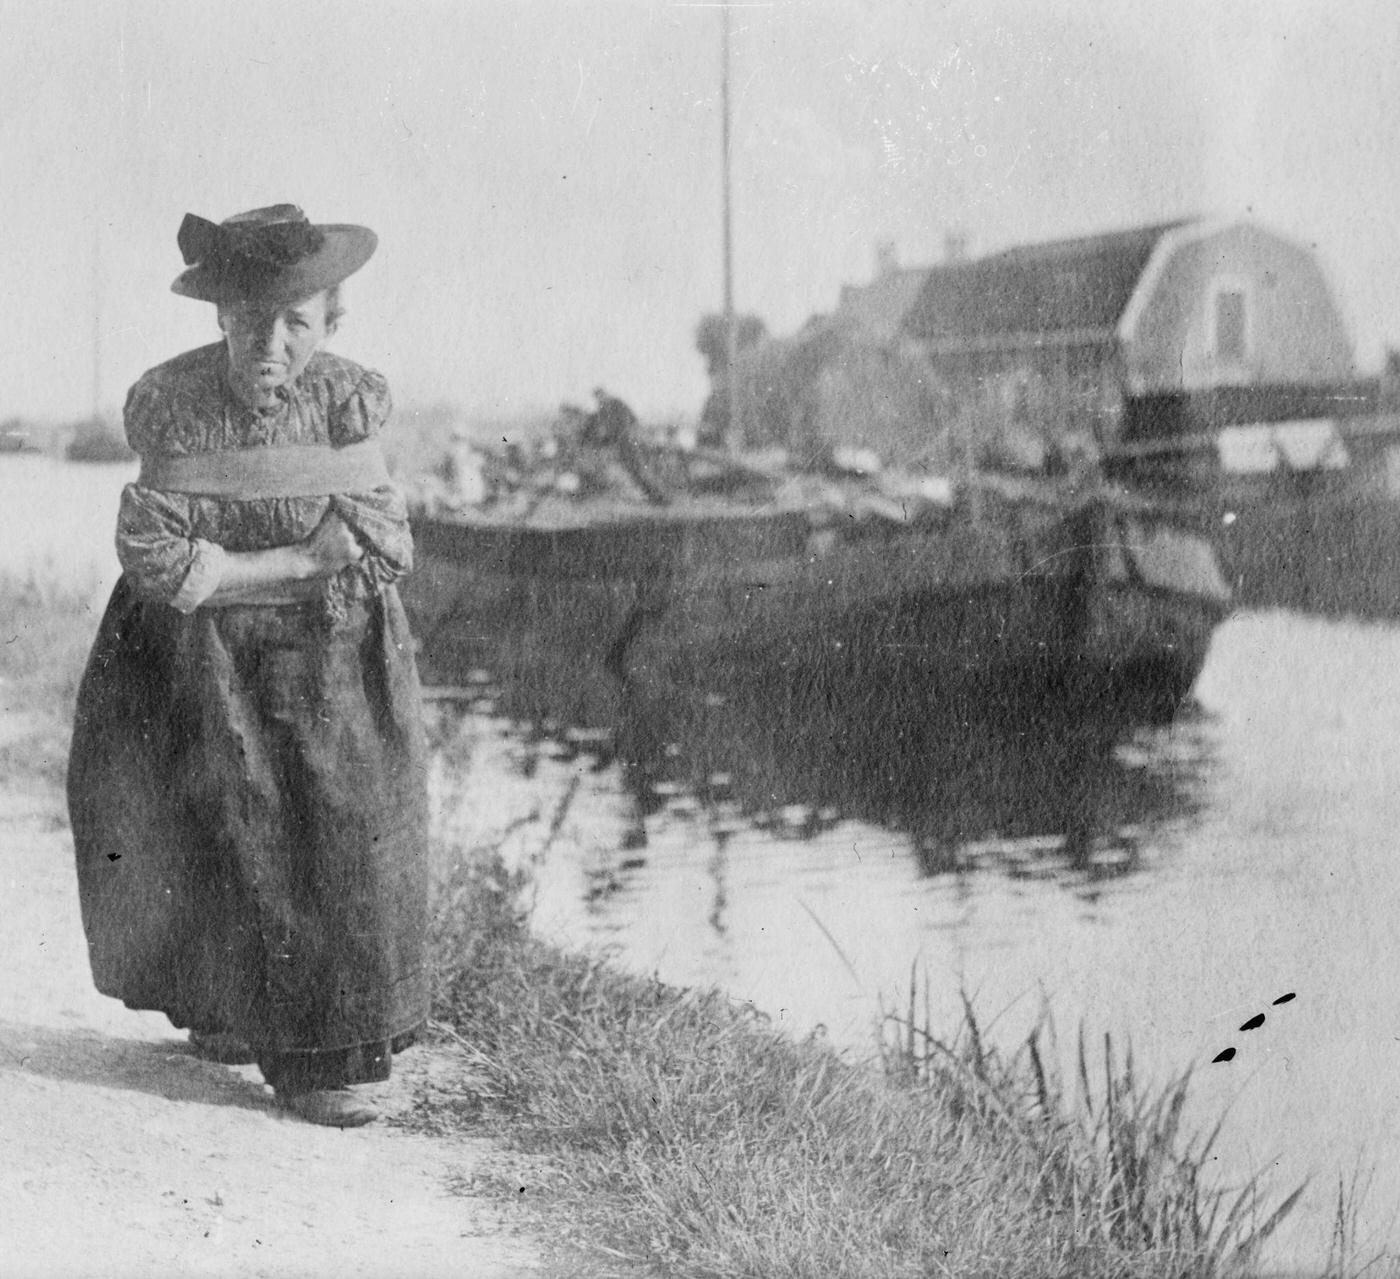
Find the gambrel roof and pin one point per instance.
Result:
(1072, 289)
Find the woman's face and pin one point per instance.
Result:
(268, 346)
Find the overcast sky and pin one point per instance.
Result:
(545, 177)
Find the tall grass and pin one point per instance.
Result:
(1113, 1150)
(1349, 1256)
(692, 1136)
(45, 634)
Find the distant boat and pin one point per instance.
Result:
(1301, 500)
(94, 441)
(1328, 548)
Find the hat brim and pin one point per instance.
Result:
(344, 250)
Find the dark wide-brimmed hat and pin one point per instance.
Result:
(273, 254)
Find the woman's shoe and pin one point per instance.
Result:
(220, 1046)
(332, 1107)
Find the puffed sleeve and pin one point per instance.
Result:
(146, 416)
(379, 516)
(159, 557)
(364, 412)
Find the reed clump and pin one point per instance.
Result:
(1112, 1149)
(693, 1138)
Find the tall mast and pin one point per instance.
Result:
(731, 336)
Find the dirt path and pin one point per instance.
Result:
(123, 1155)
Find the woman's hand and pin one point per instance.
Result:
(241, 575)
(332, 546)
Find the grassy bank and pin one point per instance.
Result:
(44, 642)
(690, 1138)
(678, 1133)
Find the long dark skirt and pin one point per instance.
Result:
(247, 794)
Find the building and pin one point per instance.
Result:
(1122, 340)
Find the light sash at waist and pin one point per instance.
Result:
(282, 470)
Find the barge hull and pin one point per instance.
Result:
(1097, 604)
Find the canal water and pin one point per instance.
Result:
(1165, 885)
(1162, 884)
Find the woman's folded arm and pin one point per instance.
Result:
(379, 519)
(155, 545)
(166, 564)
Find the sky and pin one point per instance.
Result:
(545, 176)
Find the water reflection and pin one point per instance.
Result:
(1025, 785)
(1034, 787)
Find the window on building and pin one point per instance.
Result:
(1231, 324)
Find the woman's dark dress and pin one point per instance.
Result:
(247, 782)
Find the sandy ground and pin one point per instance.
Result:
(121, 1154)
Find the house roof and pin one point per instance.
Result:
(1068, 286)
(881, 306)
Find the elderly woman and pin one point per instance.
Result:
(246, 782)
